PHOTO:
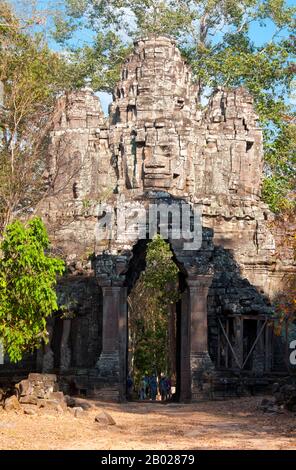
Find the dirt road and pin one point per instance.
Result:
(233, 424)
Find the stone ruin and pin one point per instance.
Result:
(159, 146)
(40, 394)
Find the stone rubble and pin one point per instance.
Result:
(284, 397)
(105, 419)
(39, 393)
(285, 394)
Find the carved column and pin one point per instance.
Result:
(110, 378)
(48, 354)
(108, 363)
(185, 372)
(200, 362)
(123, 343)
(65, 360)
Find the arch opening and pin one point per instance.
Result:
(154, 288)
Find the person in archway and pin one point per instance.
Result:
(129, 385)
(163, 387)
(153, 387)
(143, 385)
(169, 388)
(147, 384)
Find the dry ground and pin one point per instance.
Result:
(233, 424)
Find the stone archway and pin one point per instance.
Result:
(211, 157)
(165, 146)
(111, 273)
(142, 359)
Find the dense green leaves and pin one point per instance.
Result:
(27, 279)
(161, 273)
(280, 156)
(101, 61)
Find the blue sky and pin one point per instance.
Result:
(259, 33)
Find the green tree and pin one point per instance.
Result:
(27, 279)
(31, 77)
(151, 313)
(280, 154)
(216, 38)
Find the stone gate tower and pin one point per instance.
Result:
(159, 145)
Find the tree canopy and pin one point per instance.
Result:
(31, 76)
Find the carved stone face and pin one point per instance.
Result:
(164, 167)
(157, 167)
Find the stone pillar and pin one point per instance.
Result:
(123, 343)
(108, 363)
(238, 346)
(200, 363)
(48, 355)
(65, 360)
(260, 349)
(109, 379)
(185, 372)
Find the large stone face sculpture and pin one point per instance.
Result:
(157, 137)
(233, 152)
(154, 117)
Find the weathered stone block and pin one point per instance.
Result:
(105, 419)
(29, 400)
(12, 404)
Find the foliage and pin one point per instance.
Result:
(66, 305)
(101, 61)
(280, 155)
(27, 278)
(161, 271)
(149, 313)
(285, 300)
(32, 76)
